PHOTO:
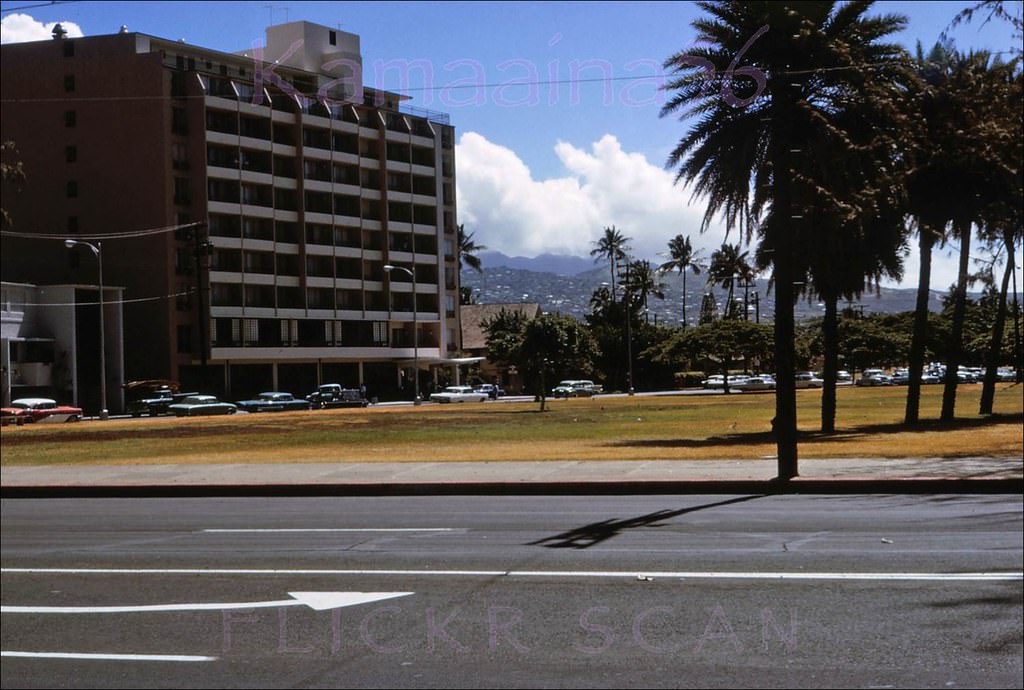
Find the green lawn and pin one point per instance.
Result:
(639, 428)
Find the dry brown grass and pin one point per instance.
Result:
(639, 428)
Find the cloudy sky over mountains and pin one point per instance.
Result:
(555, 104)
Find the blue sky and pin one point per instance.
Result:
(541, 168)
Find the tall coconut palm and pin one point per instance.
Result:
(643, 282)
(728, 263)
(612, 246)
(956, 153)
(468, 251)
(682, 258)
(740, 153)
(992, 114)
(1002, 220)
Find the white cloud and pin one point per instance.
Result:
(514, 213)
(21, 28)
(511, 212)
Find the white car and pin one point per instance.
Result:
(875, 380)
(575, 388)
(458, 394)
(807, 379)
(755, 383)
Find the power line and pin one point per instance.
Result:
(41, 4)
(127, 235)
(94, 304)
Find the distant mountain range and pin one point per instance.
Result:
(561, 283)
(559, 264)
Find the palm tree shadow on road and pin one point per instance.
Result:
(597, 532)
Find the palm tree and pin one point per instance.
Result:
(682, 258)
(612, 246)
(468, 250)
(727, 264)
(956, 153)
(988, 126)
(741, 152)
(641, 281)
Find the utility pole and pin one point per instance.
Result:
(203, 248)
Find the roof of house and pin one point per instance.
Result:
(474, 315)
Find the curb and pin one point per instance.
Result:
(594, 488)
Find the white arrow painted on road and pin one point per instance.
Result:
(318, 601)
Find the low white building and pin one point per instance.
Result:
(49, 344)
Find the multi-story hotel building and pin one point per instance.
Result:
(306, 186)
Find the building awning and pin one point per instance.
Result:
(430, 361)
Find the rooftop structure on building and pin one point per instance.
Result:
(279, 188)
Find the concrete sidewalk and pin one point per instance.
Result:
(860, 475)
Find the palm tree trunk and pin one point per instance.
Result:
(830, 336)
(926, 240)
(1018, 352)
(783, 105)
(684, 298)
(963, 231)
(988, 389)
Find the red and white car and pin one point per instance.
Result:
(30, 410)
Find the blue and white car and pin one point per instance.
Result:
(196, 405)
(274, 402)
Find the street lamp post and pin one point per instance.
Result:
(415, 332)
(97, 250)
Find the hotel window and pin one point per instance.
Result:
(70, 118)
(71, 154)
(69, 49)
(69, 83)
(380, 332)
(72, 189)
(250, 331)
(289, 332)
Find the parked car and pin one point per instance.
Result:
(195, 405)
(576, 388)
(755, 383)
(1006, 374)
(493, 391)
(875, 380)
(331, 395)
(843, 375)
(807, 379)
(453, 394)
(713, 382)
(31, 410)
(274, 402)
(157, 403)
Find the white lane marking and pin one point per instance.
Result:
(107, 657)
(318, 601)
(328, 529)
(684, 575)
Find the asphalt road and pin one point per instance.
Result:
(662, 591)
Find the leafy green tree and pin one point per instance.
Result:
(740, 154)
(721, 342)
(504, 334)
(682, 258)
(543, 348)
